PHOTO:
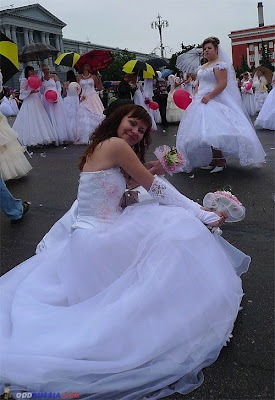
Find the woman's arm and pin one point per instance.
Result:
(196, 89)
(221, 75)
(25, 90)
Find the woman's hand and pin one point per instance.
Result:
(220, 221)
(206, 99)
(82, 98)
(157, 169)
(34, 91)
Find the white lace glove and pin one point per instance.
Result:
(58, 87)
(165, 193)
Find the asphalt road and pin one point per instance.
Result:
(244, 369)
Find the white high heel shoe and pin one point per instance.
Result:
(217, 169)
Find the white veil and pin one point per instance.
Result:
(232, 86)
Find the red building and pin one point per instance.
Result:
(250, 42)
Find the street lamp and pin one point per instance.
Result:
(160, 24)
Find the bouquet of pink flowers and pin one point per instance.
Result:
(170, 159)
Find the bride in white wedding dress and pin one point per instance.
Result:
(137, 302)
(214, 127)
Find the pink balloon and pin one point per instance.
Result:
(182, 98)
(248, 86)
(34, 82)
(51, 96)
(153, 105)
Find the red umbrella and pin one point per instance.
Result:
(97, 59)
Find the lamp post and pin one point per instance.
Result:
(160, 24)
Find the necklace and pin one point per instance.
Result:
(86, 77)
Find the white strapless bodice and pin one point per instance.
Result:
(49, 85)
(88, 86)
(99, 195)
(207, 78)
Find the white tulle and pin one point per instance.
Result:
(133, 305)
(71, 106)
(55, 111)
(248, 99)
(32, 123)
(90, 111)
(13, 163)
(266, 117)
(221, 124)
(9, 107)
(139, 99)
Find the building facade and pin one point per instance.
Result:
(250, 43)
(34, 24)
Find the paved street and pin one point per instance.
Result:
(244, 369)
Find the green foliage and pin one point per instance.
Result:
(266, 57)
(244, 66)
(114, 71)
(173, 59)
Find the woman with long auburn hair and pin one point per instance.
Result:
(136, 301)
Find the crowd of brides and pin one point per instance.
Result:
(128, 303)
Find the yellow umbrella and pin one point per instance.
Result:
(8, 57)
(67, 59)
(136, 65)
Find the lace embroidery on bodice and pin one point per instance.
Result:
(88, 86)
(207, 78)
(99, 195)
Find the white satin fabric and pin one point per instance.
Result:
(133, 305)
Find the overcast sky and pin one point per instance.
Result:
(127, 23)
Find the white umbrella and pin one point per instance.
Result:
(189, 61)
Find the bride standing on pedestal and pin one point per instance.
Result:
(137, 302)
(214, 127)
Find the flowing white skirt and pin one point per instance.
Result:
(266, 117)
(135, 309)
(222, 124)
(13, 163)
(9, 107)
(56, 114)
(260, 98)
(90, 116)
(32, 123)
(71, 105)
(139, 99)
(249, 103)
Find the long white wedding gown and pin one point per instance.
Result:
(134, 304)
(266, 117)
(221, 123)
(55, 111)
(32, 123)
(90, 111)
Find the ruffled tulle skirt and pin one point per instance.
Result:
(266, 117)
(130, 311)
(139, 99)
(90, 116)
(32, 123)
(220, 124)
(260, 98)
(13, 163)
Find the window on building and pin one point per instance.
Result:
(251, 47)
(271, 45)
(251, 58)
(260, 46)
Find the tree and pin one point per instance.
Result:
(173, 59)
(114, 71)
(244, 66)
(266, 57)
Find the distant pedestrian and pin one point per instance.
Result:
(160, 96)
(126, 88)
